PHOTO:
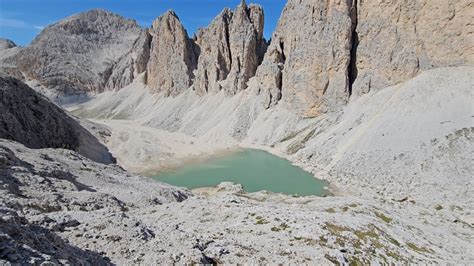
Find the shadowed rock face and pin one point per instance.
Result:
(171, 58)
(231, 48)
(129, 65)
(80, 52)
(29, 118)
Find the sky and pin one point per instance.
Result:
(22, 20)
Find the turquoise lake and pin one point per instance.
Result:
(256, 170)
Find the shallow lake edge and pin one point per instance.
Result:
(328, 188)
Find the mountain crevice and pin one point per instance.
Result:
(352, 66)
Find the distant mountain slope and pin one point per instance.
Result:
(79, 53)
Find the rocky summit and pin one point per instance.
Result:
(172, 56)
(374, 97)
(80, 52)
(231, 48)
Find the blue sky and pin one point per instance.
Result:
(22, 20)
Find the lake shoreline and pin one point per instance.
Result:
(255, 169)
(192, 159)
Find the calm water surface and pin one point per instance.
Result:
(255, 169)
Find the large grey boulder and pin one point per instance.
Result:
(31, 119)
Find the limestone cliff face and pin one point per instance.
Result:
(231, 48)
(397, 39)
(130, 64)
(322, 53)
(80, 53)
(306, 65)
(142, 48)
(172, 57)
(215, 56)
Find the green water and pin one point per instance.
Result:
(256, 170)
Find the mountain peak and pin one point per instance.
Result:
(170, 13)
(6, 44)
(171, 19)
(99, 16)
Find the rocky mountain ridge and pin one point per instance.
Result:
(353, 51)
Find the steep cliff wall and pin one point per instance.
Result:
(395, 40)
(306, 65)
(172, 56)
(232, 47)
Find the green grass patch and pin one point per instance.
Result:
(335, 229)
(383, 217)
(281, 227)
(290, 136)
(418, 249)
(260, 220)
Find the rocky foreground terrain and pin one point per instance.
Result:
(380, 106)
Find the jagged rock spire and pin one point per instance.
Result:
(231, 49)
(172, 58)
